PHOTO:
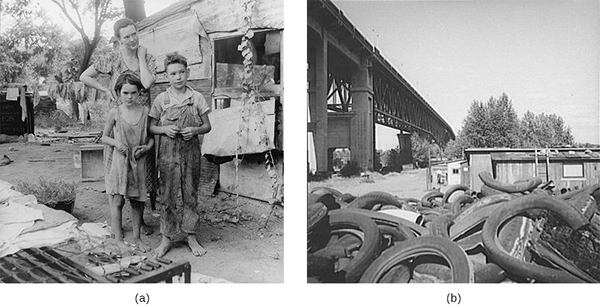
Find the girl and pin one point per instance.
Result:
(126, 172)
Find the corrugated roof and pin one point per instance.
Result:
(530, 156)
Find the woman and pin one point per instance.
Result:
(128, 56)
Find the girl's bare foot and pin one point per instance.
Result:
(162, 249)
(141, 245)
(122, 246)
(196, 248)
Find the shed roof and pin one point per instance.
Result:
(221, 15)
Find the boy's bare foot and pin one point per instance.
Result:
(141, 245)
(196, 248)
(147, 230)
(162, 249)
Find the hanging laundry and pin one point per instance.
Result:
(12, 94)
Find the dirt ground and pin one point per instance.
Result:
(408, 184)
(244, 239)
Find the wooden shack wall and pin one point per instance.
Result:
(479, 163)
(512, 171)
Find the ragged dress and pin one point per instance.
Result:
(126, 175)
(178, 161)
(114, 65)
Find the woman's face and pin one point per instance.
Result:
(129, 94)
(129, 37)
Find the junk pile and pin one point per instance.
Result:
(521, 232)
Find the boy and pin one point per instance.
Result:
(177, 117)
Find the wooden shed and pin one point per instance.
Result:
(567, 167)
(207, 33)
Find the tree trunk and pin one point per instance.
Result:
(134, 9)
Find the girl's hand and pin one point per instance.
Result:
(171, 131)
(122, 149)
(139, 151)
(188, 133)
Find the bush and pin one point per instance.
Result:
(49, 192)
(351, 169)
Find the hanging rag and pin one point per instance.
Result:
(12, 94)
(23, 104)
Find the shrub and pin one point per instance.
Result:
(351, 169)
(49, 192)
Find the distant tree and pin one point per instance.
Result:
(544, 130)
(422, 147)
(393, 160)
(491, 124)
(32, 46)
(455, 148)
(101, 11)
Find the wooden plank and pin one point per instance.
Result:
(223, 138)
(176, 35)
(254, 181)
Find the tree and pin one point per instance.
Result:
(101, 10)
(491, 124)
(31, 47)
(544, 130)
(455, 148)
(422, 148)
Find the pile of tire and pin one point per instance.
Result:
(460, 236)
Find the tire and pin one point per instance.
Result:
(488, 191)
(391, 220)
(471, 242)
(318, 230)
(513, 208)
(370, 248)
(483, 202)
(472, 222)
(370, 199)
(319, 190)
(490, 273)
(440, 225)
(451, 190)
(347, 197)
(327, 198)
(429, 197)
(527, 185)
(454, 256)
(548, 253)
(457, 205)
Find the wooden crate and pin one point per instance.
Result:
(92, 161)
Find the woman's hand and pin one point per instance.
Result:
(122, 149)
(109, 93)
(141, 53)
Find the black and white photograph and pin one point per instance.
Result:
(453, 142)
(141, 141)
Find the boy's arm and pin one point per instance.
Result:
(108, 127)
(190, 132)
(170, 130)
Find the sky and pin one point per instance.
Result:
(542, 54)
(56, 15)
